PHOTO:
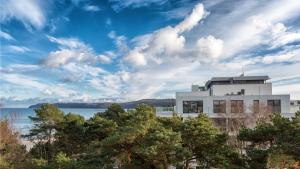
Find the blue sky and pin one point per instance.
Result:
(120, 50)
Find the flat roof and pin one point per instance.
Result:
(241, 78)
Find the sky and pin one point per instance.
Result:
(122, 50)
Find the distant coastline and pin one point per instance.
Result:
(105, 105)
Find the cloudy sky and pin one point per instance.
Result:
(119, 50)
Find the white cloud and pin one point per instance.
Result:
(166, 40)
(210, 47)
(136, 58)
(67, 42)
(192, 20)
(65, 56)
(104, 59)
(118, 5)
(171, 58)
(164, 43)
(71, 50)
(34, 84)
(251, 24)
(159, 69)
(91, 8)
(120, 42)
(109, 85)
(83, 70)
(6, 36)
(284, 56)
(282, 36)
(29, 12)
(17, 68)
(18, 49)
(75, 61)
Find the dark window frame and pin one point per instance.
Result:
(192, 106)
(237, 106)
(274, 105)
(219, 106)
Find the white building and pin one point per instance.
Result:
(231, 96)
(295, 106)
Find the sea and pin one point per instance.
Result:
(20, 122)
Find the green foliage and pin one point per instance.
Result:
(40, 164)
(275, 161)
(45, 123)
(137, 139)
(280, 138)
(61, 161)
(121, 144)
(12, 153)
(70, 134)
(98, 128)
(207, 146)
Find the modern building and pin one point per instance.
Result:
(295, 106)
(222, 97)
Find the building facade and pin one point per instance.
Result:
(295, 106)
(224, 96)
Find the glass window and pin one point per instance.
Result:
(237, 106)
(219, 106)
(255, 106)
(243, 91)
(274, 106)
(193, 106)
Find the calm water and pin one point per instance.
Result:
(22, 123)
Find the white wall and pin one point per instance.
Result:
(193, 94)
(248, 102)
(250, 89)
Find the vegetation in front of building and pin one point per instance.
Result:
(137, 139)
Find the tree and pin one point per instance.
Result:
(159, 148)
(115, 113)
(70, 134)
(12, 153)
(62, 161)
(206, 146)
(278, 139)
(44, 127)
(134, 125)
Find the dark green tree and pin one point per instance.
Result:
(44, 128)
(207, 146)
(70, 135)
(278, 139)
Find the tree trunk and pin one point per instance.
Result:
(186, 164)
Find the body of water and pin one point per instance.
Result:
(22, 123)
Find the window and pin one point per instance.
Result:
(237, 106)
(274, 106)
(243, 91)
(219, 106)
(255, 106)
(193, 106)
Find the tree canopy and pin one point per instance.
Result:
(137, 139)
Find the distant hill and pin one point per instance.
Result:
(104, 105)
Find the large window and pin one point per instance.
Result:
(255, 106)
(219, 106)
(237, 106)
(274, 106)
(193, 106)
